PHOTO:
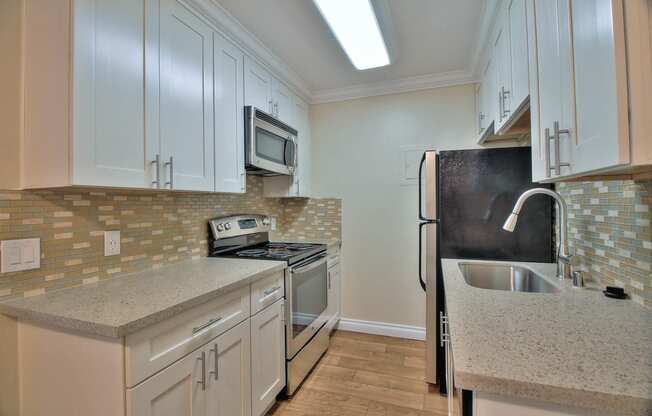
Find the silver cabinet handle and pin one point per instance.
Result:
(202, 359)
(556, 138)
(276, 109)
(215, 372)
(170, 163)
(443, 329)
(500, 106)
(546, 152)
(504, 95)
(272, 290)
(329, 280)
(157, 164)
(206, 325)
(271, 107)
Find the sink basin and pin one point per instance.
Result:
(505, 277)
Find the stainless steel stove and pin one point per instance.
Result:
(306, 285)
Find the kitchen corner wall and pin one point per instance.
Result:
(157, 228)
(610, 231)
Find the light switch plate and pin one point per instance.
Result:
(111, 243)
(19, 255)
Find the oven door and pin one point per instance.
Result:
(307, 298)
(271, 148)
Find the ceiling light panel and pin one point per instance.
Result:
(354, 24)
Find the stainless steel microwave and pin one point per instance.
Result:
(270, 145)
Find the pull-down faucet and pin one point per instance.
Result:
(563, 254)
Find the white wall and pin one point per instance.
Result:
(356, 152)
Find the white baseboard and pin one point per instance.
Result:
(383, 328)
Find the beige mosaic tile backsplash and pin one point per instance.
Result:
(157, 228)
(610, 231)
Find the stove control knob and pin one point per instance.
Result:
(266, 221)
(227, 226)
(220, 227)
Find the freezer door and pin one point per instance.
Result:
(428, 186)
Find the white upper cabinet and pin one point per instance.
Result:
(520, 83)
(283, 102)
(186, 99)
(552, 143)
(584, 119)
(258, 86)
(228, 90)
(601, 101)
(511, 64)
(109, 143)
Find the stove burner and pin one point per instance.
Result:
(252, 252)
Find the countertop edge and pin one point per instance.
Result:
(626, 405)
(102, 330)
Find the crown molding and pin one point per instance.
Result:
(231, 27)
(422, 82)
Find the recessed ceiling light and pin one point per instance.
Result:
(354, 24)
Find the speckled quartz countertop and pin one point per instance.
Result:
(575, 347)
(120, 306)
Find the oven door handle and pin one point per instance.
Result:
(310, 266)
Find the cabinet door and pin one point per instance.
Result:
(267, 356)
(503, 74)
(186, 98)
(229, 373)
(601, 102)
(519, 90)
(283, 103)
(555, 80)
(303, 176)
(179, 390)
(257, 86)
(228, 67)
(110, 147)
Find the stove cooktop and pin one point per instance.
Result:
(290, 252)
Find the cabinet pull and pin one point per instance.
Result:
(504, 95)
(272, 290)
(276, 109)
(546, 153)
(215, 372)
(157, 163)
(500, 107)
(206, 325)
(271, 107)
(202, 359)
(555, 138)
(170, 183)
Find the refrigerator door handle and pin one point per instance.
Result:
(420, 256)
(421, 216)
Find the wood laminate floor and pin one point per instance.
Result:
(367, 375)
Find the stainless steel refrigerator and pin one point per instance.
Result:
(464, 198)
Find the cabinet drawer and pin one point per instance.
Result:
(267, 291)
(156, 347)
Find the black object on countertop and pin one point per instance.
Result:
(615, 292)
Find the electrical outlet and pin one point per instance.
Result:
(273, 224)
(19, 255)
(111, 243)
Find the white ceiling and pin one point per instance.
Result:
(435, 38)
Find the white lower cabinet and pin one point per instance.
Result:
(228, 373)
(267, 357)
(176, 391)
(213, 380)
(334, 289)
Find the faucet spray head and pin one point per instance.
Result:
(510, 223)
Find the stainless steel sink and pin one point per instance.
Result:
(505, 277)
